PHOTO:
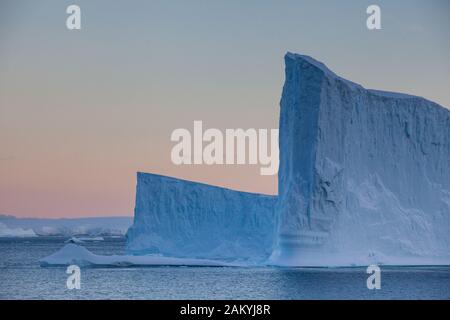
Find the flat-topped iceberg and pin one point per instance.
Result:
(181, 218)
(364, 178)
(364, 174)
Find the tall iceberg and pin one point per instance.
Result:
(364, 174)
(364, 178)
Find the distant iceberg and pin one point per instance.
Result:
(91, 227)
(6, 232)
(74, 240)
(80, 240)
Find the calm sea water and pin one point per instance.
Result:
(21, 277)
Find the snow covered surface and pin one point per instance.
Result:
(97, 226)
(364, 174)
(78, 255)
(7, 232)
(181, 218)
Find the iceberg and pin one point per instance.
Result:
(92, 226)
(182, 218)
(364, 174)
(7, 232)
(364, 177)
(74, 254)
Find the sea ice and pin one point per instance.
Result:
(78, 255)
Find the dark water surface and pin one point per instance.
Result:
(21, 277)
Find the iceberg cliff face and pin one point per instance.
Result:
(364, 178)
(364, 175)
(180, 218)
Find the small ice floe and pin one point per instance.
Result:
(91, 238)
(80, 240)
(74, 240)
(74, 254)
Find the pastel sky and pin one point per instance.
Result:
(82, 111)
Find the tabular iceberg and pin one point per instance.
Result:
(364, 177)
(181, 218)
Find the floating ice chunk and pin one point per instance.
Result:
(7, 232)
(91, 238)
(74, 240)
(78, 255)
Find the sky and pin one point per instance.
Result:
(81, 111)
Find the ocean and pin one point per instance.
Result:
(21, 277)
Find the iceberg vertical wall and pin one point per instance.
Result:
(364, 178)
(364, 175)
(181, 218)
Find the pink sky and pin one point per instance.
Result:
(82, 111)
